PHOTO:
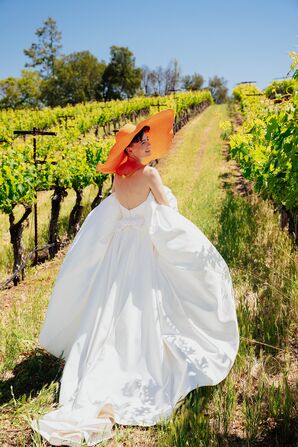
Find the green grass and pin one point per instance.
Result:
(255, 404)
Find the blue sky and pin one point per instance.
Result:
(234, 39)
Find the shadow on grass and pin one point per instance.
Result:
(274, 437)
(30, 375)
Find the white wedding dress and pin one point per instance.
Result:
(143, 312)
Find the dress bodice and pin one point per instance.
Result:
(134, 217)
(129, 212)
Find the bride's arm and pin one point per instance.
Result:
(156, 185)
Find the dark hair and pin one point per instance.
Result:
(138, 137)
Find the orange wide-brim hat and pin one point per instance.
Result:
(160, 138)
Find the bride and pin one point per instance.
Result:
(143, 308)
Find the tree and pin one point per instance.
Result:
(77, 79)
(193, 82)
(172, 76)
(159, 76)
(21, 92)
(45, 52)
(146, 79)
(152, 80)
(218, 89)
(121, 79)
(9, 93)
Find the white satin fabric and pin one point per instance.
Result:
(143, 312)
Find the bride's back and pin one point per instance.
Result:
(132, 190)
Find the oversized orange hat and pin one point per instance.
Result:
(160, 138)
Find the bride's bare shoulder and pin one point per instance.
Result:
(150, 171)
(156, 185)
(152, 174)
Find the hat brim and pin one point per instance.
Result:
(160, 138)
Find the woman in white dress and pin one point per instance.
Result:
(143, 307)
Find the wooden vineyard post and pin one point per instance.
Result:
(35, 132)
(65, 118)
